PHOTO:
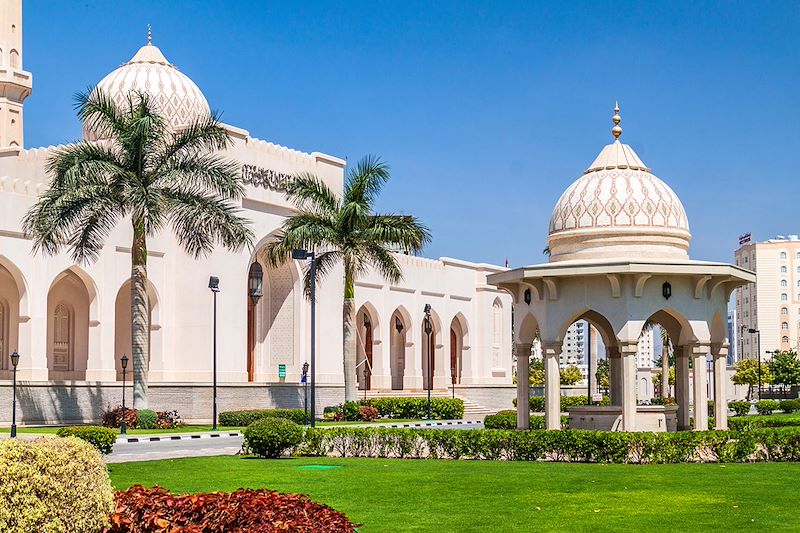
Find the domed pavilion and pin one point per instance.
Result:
(618, 242)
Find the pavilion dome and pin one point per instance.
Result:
(618, 210)
(179, 98)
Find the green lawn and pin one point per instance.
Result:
(391, 495)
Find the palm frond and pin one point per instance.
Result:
(206, 172)
(310, 193)
(385, 262)
(401, 230)
(201, 221)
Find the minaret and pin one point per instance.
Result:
(15, 83)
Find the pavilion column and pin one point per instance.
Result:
(552, 385)
(591, 369)
(628, 388)
(682, 386)
(614, 374)
(523, 351)
(700, 374)
(720, 356)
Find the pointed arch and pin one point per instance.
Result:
(459, 347)
(122, 324)
(603, 326)
(71, 305)
(431, 345)
(401, 345)
(367, 337)
(13, 298)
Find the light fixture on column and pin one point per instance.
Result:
(527, 296)
(398, 325)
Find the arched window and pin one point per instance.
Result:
(14, 59)
(783, 255)
(784, 297)
(783, 269)
(784, 283)
(798, 282)
(62, 338)
(497, 332)
(784, 325)
(785, 339)
(784, 310)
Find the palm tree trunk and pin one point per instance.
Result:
(139, 317)
(349, 337)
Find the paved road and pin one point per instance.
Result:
(223, 445)
(173, 449)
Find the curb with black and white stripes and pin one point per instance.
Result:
(432, 424)
(164, 438)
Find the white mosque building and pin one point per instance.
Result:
(70, 323)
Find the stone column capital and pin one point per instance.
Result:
(523, 349)
(720, 349)
(550, 348)
(628, 348)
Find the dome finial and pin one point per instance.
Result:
(616, 131)
(149, 34)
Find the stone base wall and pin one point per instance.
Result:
(81, 402)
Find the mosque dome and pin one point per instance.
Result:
(179, 98)
(618, 210)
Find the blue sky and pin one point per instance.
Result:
(485, 114)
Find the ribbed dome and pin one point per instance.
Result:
(149, 71)
(618, 209)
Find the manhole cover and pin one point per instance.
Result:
(318, 467)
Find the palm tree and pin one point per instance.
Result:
(149, 175)
(346, 231)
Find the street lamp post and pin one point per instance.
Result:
(299, 254)
(14, 363)
(123, 430)
(213, 284)
(428, 330)
(304, 380)
(758, 347)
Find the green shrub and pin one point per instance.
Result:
(537, 402)
(739, 408)
(658, 400)
(755, 422)
(502, 420)
(245, 418)
(416, 408)
(350, 411)
(101, 438)
(272, 437)
(767, 444)
(53, 484)
(765, 407)
(146, 419)
(789, 406)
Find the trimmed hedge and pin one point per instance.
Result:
(789, 406)
(765, 407)
(537, 402)
(508, 420)
(53, 484)
(271, 437)
(755, 422)
(101, 438)
(245, 418)
(739, 408)
(417, 408)
(768, 444)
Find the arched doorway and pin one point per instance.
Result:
(273, 322)
(458, 347)
(67, 328)
(9, 320)
(400, 344)
(367, 323)
(430, 343)
(123, 340)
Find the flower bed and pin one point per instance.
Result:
(143, 510)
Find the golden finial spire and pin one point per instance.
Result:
(149, 34)
(616, 131)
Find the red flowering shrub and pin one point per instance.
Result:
(155, 510)
(113, 417)
(367, 413)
